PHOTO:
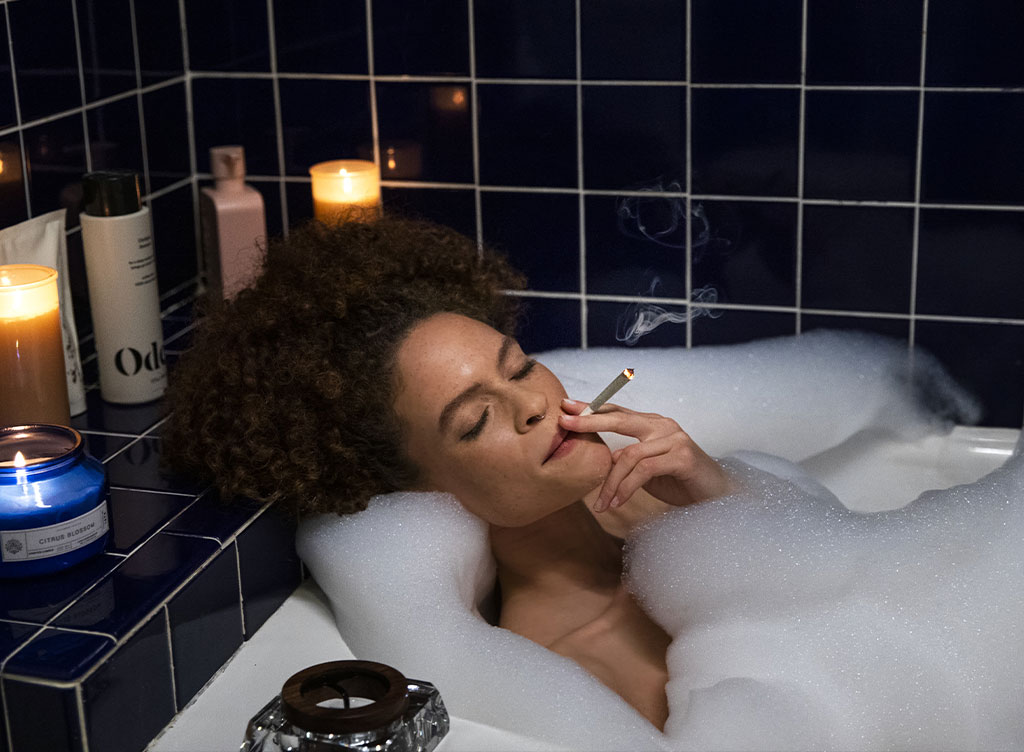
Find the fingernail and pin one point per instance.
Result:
(568, 401)
(616, 501)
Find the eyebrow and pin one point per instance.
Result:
(445, 419)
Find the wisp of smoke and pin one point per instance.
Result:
(643, 318)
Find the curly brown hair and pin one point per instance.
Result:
(287, 392)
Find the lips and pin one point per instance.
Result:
(560, 436)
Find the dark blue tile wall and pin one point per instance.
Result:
(136, 631)
(760, 169)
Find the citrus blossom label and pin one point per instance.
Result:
(56, 539)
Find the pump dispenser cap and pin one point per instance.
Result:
(227, 162)
(111, 193)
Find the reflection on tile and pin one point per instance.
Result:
(7, 111)
(12, 637)
(139, 466)
(735, 41)
(42, 717)
(451, 207)
(174, 238)
(145, 578)
(101, 446)
(546, 324)
(970, 263)
(268, 565)
(47, 64)
(166, 135)
(437, 116)
(975, 44)
(608, 324)
(310, 125)
(12, 183)
(206, 625)
(108, 56)
(624, 40)
(894, 328)
(527, 135)
(731, 157)
(136, 515)
(211, 517)
(985, 358)
(59, 655)
(245, 48)
(634, 137)
(636, 246)
(135, 683)
(972, 147)
(56, 153)
(525, 39)
(867, 42)
(111, 418)
(733, 327)
(114, 140)
(326, 37)
(37, 599)
(160, 53)
(745, 251)
(539, 233)
(421, 38)
(860, 145)
(857, 258)
(236, 111)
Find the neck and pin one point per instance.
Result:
(566, 554)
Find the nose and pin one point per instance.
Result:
(531, 408)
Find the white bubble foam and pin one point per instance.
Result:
(797, 623)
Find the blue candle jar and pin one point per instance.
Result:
(53, 500)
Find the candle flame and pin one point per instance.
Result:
(19, 460)
(628, 373)
(4, 279)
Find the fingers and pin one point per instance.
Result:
(573, 407)
(635, 465)
(616, 419)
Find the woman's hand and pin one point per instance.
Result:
(665, 461)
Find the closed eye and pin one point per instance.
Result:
(473, 432)
(523, 372)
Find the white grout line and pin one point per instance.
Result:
(580, 176)
(238, 574)
(170, 657)
(143, 143)
(275, 86)
(800, 167)
(474, 128)
(419, 79)
(81, 87)
(688, 194)
(83, 729)
(918, 169)
(190, 130)
(18, 125)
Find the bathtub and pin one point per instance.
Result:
(864, 468)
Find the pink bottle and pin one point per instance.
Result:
(233, 223)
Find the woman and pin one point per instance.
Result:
(371, 358)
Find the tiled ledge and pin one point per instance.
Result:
(101, 656)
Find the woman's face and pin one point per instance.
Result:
(481, 422)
